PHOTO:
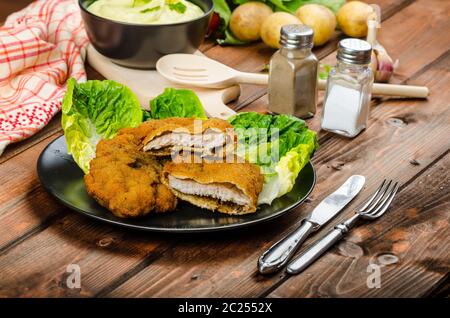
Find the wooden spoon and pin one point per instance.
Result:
(201, 71)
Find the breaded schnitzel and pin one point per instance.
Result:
(205, 137)
(230, 188)
(126, 180)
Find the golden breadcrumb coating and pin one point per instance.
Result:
(126, 180)
(244, 176)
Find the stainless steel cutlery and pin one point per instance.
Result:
(280, 253)
(374, 208)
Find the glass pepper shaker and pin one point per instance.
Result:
(293, 73)
(349, 89)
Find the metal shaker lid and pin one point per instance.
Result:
(296, 36)
(354, 51)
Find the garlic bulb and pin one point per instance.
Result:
(381, 63)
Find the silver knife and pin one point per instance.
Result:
(279, 253)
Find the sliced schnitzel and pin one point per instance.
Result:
(204, 137)
(231, 188)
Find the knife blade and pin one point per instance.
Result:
(279, 253)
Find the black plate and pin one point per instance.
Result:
(62, 178)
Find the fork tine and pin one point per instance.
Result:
(386, 203)
(373, 209)
(376, 202)
(370, 200)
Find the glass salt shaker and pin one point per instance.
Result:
(349, 89)
(293, 73)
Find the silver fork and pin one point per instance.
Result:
(375, 207)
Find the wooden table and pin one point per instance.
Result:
(408, 140)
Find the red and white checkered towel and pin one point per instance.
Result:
(41, 47)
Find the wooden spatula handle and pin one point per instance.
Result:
(215, 101)
(393, 90)
(252, 78)
(377, 89)
(400, 90)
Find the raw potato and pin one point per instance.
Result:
(247, 19)
(352, 18)
(270, 30)
(320, 19)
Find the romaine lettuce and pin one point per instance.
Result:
(280, 144)
(177, 103)
(96, 110)
(223, 10)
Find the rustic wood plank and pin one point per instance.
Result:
(409, 244)
(8, 7)
(40, 262)
(93, 259)
(404, 131)
(226, 266)
(441, 290)
(24, 206)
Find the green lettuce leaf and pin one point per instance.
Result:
(292, 5)
(223, 10)
(281, 178)
(178, 7)
(280, 144)
(230, 39)
(96, 110)
(177, 103)
(324, 70)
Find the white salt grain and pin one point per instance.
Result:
(342, 111)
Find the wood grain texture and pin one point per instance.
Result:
(10, 6)
(405, 140)
(409, 244)
(103, 253)
(389, 154)
(24, 206)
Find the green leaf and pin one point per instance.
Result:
(280, 144)
(178, 7)
(150, 9)
(96, 110)
(292, 5)
(177, 103)
(230, 39)
(333, 5)
(324, 70)
(224, 12)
